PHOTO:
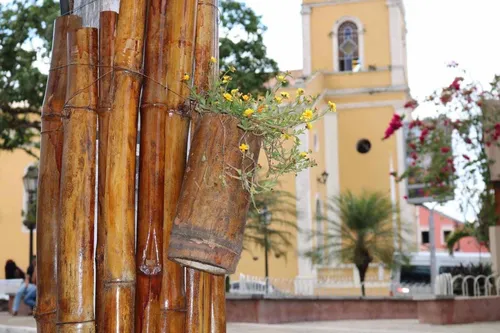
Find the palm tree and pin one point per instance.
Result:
(277, 233)
(361, 234)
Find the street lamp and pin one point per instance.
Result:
(265, 220)
(30, 181)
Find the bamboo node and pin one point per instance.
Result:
(70, 109)
(103, 109)
(60, 128)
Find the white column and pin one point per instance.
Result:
(495, 248)
(304, 212)
(306, 39)
(407, 212)
(89, 11)
(397, 43)
(332, 159)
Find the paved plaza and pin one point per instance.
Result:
(9, 324)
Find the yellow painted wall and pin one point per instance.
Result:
(350, 80)
(14, 243)
(371, 170)
(375, 18)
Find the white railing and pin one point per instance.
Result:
(446, 284)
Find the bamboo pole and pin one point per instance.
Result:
(218, 304)
(119, 192)
(75, 267)
(198, 301)
(50, 175)
(107, 28)
(209, 299)
(181, 16)
(149, 256)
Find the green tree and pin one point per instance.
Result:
(25, 38)
(242, 46)
(361, 234)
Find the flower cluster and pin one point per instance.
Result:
(448, 151)
(395, 124)
(278, 118)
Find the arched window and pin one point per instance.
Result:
(348, 46)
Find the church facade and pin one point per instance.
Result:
(354, 54)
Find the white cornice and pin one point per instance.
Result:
(396, 104)
(359, 91)
(331, 2)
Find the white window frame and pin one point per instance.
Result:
(361, 41)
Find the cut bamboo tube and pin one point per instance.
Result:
(181, 16)
(107, 27)
(75, 267)
(50, 175)
(119, 192)
(149, 256)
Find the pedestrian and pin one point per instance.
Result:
(27, 287)
(12, 271)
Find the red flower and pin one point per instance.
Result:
(445, 97)
(412, 104)
(414, 155)
(456, 83)
(449, 160)
(405, 197)
(415, 123)
(466, 157)
(445, 150)
(488, 143)
(479, 103)
(412, 146)
(468, 140)
(395, 124)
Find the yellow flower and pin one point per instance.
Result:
(309, 126)
(303, 155)
(213, 60)
(185, 77)
(243, 147)
(228, 97)
(285, 95)
(281, 78)
(307, 115)
(232, 69)
(234, 91)
(278, 99)
(300, 92)
(226, 79)
(248, 112)
(332, 106)
(286, 136)
(245, 98)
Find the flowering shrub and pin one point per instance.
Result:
(277, 118)
(451, 145)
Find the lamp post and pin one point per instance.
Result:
(30, 181)
(265, 220)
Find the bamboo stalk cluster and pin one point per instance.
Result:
(101, 82)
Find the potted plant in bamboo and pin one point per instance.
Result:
(219, 184)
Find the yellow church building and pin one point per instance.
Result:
(354, 54)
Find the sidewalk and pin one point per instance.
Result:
(9, 324)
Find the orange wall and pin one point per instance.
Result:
(441, 223)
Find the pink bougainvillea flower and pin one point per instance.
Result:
(468, 140)
(412, 146)
(411, 104)
(405, 197)
(395, 124)
(445, 150)
(455, 85)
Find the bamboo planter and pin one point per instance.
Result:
(211, 214)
